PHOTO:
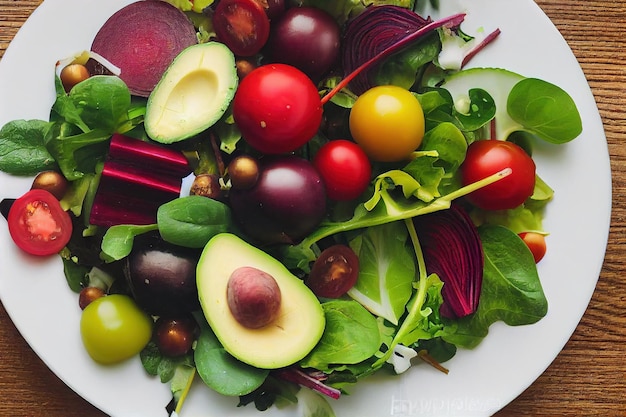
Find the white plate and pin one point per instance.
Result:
(480, 382)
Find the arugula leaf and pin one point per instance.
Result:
(526, 218)
(428, 324)
(191, 5)
(75, 196)
(76, 154)
(22, 148)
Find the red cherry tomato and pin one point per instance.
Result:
(277, 108)
(487, 157)
(334, 272)
(536, 242)
(242, 25)
(38, 224)
(344, 168)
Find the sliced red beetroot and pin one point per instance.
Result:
(453, 250)
(136, 179)
(142, 39)
(158, 158)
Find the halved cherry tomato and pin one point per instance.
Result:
(536, 242)
(242, 25)
(487, 157)
(334, 272)
(277, 108)
(344, 168)
(38, 224)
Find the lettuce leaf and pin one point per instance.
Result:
(386, 270)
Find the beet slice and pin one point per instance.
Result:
(142, 39)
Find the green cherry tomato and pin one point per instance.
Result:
(114, 328)
(388, 123)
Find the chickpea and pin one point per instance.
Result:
(244, 172)
(89, 294)
(51, 181)
(244, 67)
(72, 75)
(206, 185)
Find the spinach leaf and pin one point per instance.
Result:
(545, 110)
(22, 148)
(449, 143)
(402, 68)
(117, 242)
(100, 102)
(74, 274)
(193, 220)
(511, 290)
(482, 109)
(435, 99)
(351, 336)
(221, 371)
(83, 121)
(386, 270)
(157, 364)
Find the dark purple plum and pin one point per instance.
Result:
(162, 276)
(286, 204)
(274, 8)
(307, 38)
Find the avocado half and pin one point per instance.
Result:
(193, 93)
(287, 339)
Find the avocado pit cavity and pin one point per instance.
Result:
(193, 94)
(253, 297)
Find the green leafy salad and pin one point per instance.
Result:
(281, 214)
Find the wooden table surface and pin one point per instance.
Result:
(587, 378)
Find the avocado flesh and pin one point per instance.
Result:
(286, 340)
(193, 93)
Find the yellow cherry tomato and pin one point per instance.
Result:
(114, 328)
(388, 123)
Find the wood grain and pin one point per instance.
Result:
(587, 378)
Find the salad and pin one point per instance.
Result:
(412, 208)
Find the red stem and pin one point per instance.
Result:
(302, 378)
(453, 20)
(480, 46)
